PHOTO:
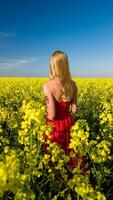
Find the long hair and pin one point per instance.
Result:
(59, 67)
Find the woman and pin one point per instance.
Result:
(61, 97)
(61, 100)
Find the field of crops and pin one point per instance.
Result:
(26, 172)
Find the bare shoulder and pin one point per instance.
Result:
(51, 84)
(47, 86)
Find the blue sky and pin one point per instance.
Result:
(31, 30)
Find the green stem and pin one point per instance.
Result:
(78, 197)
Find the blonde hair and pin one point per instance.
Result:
(59, 67)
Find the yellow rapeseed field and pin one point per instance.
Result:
(25, 169)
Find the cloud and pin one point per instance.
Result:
(27, 61)
(17, 63)
(22, 61)
(7, 34)
(6, 64)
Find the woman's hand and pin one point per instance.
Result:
(73, 107)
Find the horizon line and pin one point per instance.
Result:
(48, 77)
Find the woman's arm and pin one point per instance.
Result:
(74, 100)
(50, 104)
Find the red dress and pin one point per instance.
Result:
(61, 125)
(61, 129)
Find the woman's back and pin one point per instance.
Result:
(56, 90)
(56, 106)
